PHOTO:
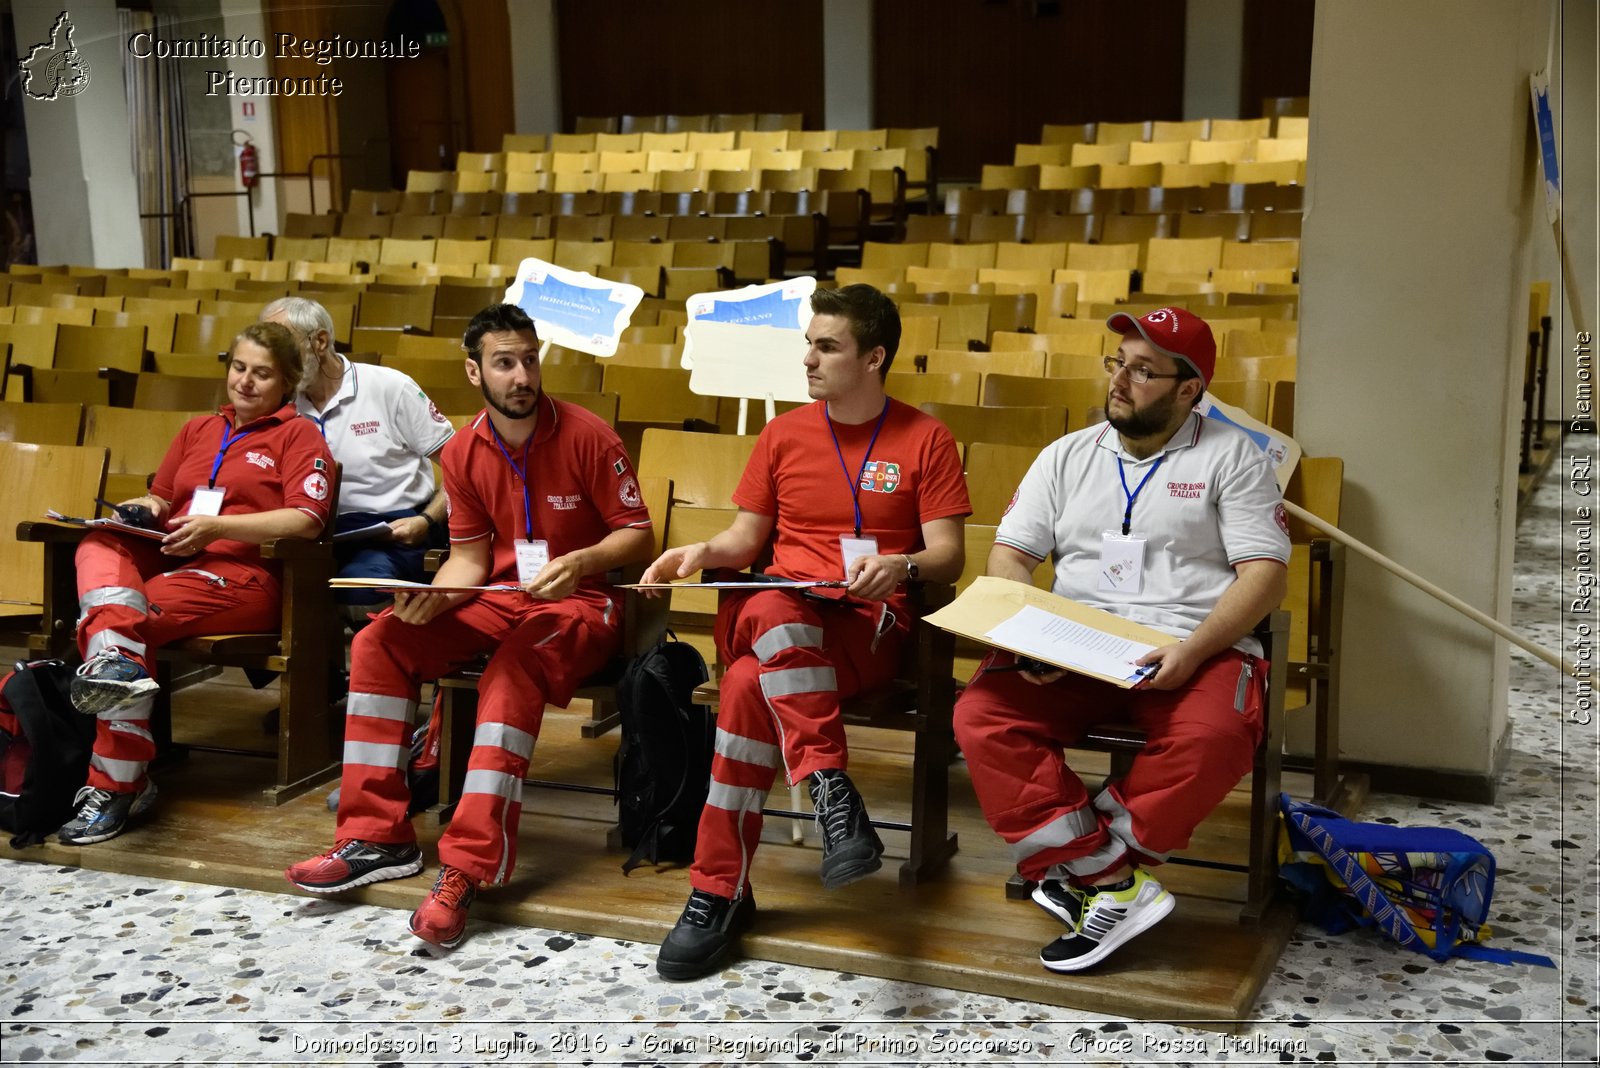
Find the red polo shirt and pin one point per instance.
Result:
(580, 486)
(277, 461)
(804, 473)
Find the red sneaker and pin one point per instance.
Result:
(442, 916)
(353, 863)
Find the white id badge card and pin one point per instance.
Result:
(1121, 562)
(852, 549)
(531, 558)
(206, 501)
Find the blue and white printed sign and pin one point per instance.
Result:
(784, 305)
(572, 308)
(1284, 452)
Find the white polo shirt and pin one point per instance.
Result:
(1211, 502)
(382, 428)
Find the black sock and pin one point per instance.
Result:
(1112, 887)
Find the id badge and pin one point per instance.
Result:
(1121, 562)
(531, 558)
(206, 501)
(853, 549)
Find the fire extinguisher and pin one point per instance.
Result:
(249, 165)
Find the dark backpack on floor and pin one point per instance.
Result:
(663, 766)
(45, 762)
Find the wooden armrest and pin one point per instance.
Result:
(434, 559)
(291, 549)
(930, 596)
(50, 530)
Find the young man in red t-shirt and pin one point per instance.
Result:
(542, 500)
(858, 488)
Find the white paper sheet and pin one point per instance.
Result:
(1059, 641)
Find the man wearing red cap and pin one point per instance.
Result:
(1168, 519)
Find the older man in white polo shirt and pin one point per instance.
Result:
(385, 433)
(1172, 520)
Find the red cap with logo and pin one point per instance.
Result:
(1176, 333)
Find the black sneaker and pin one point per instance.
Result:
(109, 681)
(851, 849)
(353, 863)
(702, 941)
(1062, 900)
(103, 814)
(1109, 918)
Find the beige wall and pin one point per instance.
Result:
(1421, 206)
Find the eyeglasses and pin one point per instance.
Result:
(1138, 373)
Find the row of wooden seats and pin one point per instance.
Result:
(1264, 150)
(1044, 228)
(1294, 127)
(480, 228)
(732, 202)
(622, 160)
(1154, 200)
(1138, 175)
(686, 138)
(1160, 255)
(589, 125)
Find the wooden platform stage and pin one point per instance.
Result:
(1199, 966)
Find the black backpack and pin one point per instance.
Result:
(663, 766)
(46, 764)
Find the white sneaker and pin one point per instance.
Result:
(1109, 918)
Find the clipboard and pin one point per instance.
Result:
(401, 586)
(107, 524)
(1020, 619)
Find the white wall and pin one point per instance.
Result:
(536, 74)
(85, 200)
(1420, 203)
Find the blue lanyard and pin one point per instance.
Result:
(1127, 516)
(228, 438)
(855, 484)
(522, 476)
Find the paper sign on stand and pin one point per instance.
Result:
(1033, 622)
(782, 305)
(574, 309)
(1282, 450)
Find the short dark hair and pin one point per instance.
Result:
(496, 318)
(874, 319)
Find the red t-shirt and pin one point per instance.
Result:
(580, 484)
(795, 474)
(277, 461)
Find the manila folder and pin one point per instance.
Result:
(1033, 622)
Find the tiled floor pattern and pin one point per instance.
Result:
(108, 969)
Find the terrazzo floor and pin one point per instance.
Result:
(97, 968)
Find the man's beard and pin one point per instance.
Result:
(1142, 422)
(503, 405)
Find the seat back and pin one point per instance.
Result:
(37, 478)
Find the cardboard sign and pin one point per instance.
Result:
(572, 308)
(778, 306)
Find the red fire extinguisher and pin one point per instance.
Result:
(249, 166)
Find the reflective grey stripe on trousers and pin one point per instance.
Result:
(1056, 833)
(746, 750)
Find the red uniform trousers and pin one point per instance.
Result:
(542, 651)
(790, 660)
(1202, 739)
(134, 598)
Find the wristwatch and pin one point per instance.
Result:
(913, 572)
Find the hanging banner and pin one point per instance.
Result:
(574, 309)
(1545, 123)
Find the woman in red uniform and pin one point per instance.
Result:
(230, 481)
